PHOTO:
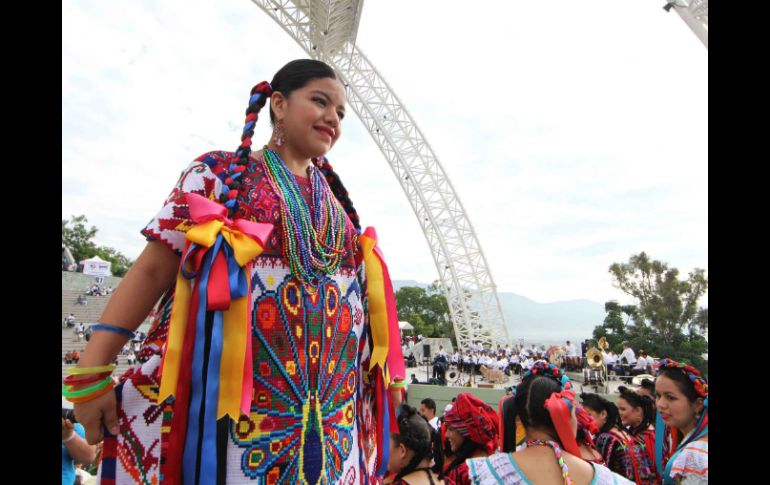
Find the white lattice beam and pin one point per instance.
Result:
(326, 30)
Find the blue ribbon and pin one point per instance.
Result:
(238, 284)
(189, 460)
(385, 426)
(660, 431)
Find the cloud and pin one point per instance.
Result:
(574, 136)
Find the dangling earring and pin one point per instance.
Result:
(279, 135)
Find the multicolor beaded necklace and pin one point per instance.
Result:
(313, 240)
(557, 451)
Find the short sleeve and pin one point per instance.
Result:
(173, 220)
(80, 430)
(692, 465)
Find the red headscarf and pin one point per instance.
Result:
(475, 420)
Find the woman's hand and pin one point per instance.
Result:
(96, 414)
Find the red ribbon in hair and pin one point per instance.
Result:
(264, 88)
(559, 406)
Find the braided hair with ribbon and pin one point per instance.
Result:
(544, 400)
(691, 383)
(292, 76)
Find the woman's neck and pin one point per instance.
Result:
(536, 435)
(296, 164)
(425, 463)
(687, 429)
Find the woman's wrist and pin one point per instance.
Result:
(103, 348)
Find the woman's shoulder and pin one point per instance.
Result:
(605, 476)
(494, 469)
(693, 460)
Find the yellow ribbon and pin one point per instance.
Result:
(235, 320)
(378, 312)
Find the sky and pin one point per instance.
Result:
(575, 133)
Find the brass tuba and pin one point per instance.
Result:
(594, 357)
(603, 344)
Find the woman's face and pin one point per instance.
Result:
(600, 417)
(456, 440)
(629, 415)
(397, 457)
(673, 406)
(311, 116)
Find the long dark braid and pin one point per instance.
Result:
(259, 95)
(339, 190)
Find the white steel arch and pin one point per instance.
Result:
(327, 30)
(695, 14)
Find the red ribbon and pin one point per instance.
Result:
(561, 415)
(203, 210)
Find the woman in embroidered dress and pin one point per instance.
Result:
(296, 401)
(622, 453)
(473, 430)
(413, 449)
(682, 400)
(637, 413)
(545, 404)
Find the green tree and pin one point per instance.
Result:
(665, 302)
(613, 328)
(427, 310)
(79, 239)
(667, 306)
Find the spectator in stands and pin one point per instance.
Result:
(68, 357)
(69, 320)
(82, 300)
(75, 356)
(88, 333)
(414, 379)
(80, 331)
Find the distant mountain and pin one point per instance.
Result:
(398, 284)
(546, 323)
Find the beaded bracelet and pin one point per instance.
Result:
(79, 371)
(114, 329)
(67, 391)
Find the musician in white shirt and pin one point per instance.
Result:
(628, 354)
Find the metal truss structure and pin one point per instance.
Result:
(695, 14)
(326, 30)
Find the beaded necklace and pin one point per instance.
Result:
(313, 240)
(556, 451)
